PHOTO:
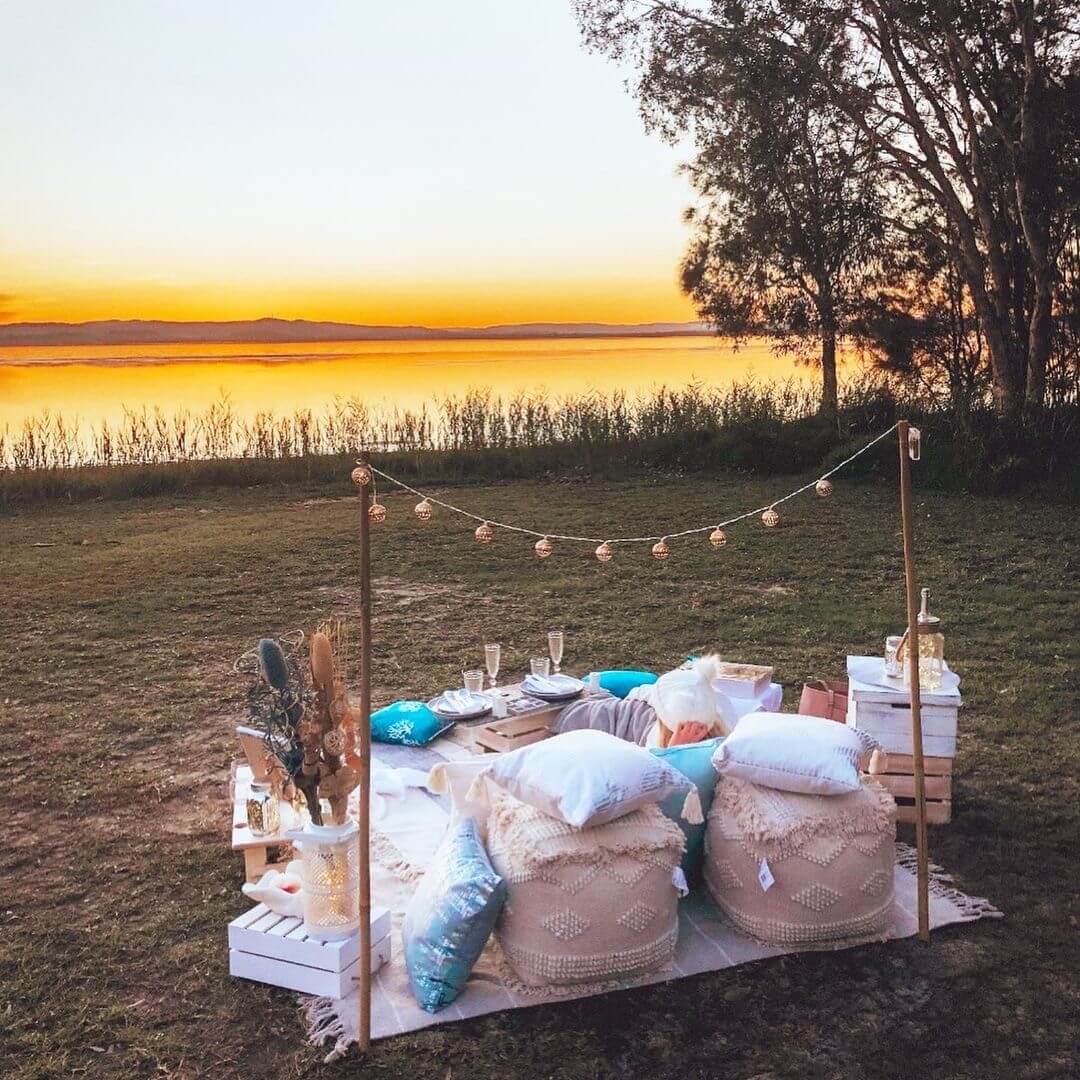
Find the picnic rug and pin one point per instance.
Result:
(405, 838)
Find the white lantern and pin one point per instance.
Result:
(331, 861)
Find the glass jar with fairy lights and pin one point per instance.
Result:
(931, 649)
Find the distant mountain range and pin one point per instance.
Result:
(147, 332)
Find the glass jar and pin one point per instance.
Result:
(263, 810)
(931, 649)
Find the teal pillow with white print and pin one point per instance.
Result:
(407, 723)
(693, 760)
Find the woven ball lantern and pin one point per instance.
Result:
(423, 510)
(823, 489)
(718, 538)
(543, 548)
(361, 476)
(660, 549)
(376, 513)
(484, 533)
(770, 519)
(604, 552)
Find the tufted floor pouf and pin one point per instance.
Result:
(830, 859)
(584, 905)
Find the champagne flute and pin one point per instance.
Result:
(555, 648)
(492, 654)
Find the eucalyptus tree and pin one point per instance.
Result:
(971, 104)
(788, 229)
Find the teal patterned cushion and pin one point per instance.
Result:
(620, 683)
(450, 917)
(408, 723)
(695, 761)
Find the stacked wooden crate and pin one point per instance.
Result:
(274, 949)
(518, 720)
(882, 709)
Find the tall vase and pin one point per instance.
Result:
(331, 874)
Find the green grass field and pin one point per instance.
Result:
(120, 621)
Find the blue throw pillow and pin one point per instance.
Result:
(450, 917)
(408, 723)
(695, 761)
(620, 683)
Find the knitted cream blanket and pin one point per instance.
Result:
(779, 823)
(532, 839)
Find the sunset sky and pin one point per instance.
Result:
(420, 162)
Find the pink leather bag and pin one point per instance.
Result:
(826, 698)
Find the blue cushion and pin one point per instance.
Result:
(409, 723)
(695, 761)
(450, 917)
(620, 683)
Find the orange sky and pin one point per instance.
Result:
(426, 163)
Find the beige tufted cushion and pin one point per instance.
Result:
(831, 858)
(584, 905)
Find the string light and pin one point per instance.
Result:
(485, 533)
(660, 550)
(544, 546)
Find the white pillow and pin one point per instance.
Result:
(588, 778)
(789, 752)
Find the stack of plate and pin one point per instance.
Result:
(460, 705)
(552, 687)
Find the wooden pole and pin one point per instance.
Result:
(912, 658)
(364, 753)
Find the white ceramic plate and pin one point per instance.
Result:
(460, 705)
(552, 687)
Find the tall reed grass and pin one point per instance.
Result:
(750, 426)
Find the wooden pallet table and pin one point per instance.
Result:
(885, 713)
(274, 949)
(526, 720)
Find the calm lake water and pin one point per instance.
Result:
(95, 383)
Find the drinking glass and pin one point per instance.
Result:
(555, 648)
(540, 665)
(474, 680)
(492, 653)
(892, 663)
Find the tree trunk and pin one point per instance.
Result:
(828, 372)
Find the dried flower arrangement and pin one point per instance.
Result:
(309, 729)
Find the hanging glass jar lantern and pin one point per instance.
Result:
(423, 510)
(484, 533)
(823, 489)
(604, 552)
(770, 519)
(376, 512)
(543, 548)
(718, 538)
(660, 550)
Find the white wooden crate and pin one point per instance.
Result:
(885, 712)
(274, 949)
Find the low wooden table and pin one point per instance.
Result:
(528, 720)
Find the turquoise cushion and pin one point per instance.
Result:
(620, 683)
(450, 917)
(695, 761)
(409, 723)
